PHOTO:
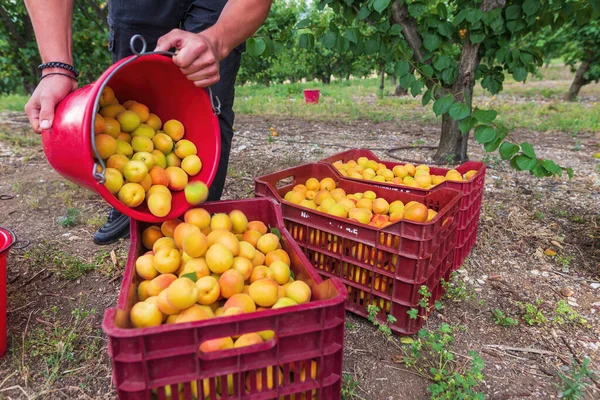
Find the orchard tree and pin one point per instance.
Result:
(442, 48)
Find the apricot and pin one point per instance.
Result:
(129, 120)
(142, 143)
(159, 204)
(111, 110)
(191, 164)
(164, 242)
(258, 259)
(165, 306)
(173, 160)
(114, 180)
(195, 244)
(231, 282)
(453, 175)
(168, 227)
(106, 145)
(132, 194)
(267, 242)
(338, 210)
(159, 158)
(174, 129)
(277, 255)
(243, 266)
(251, 236)
(160, 283)
(197, 265)
(264, 292)
(281, 271)
(223, 343)
(221, 221)
(313, 184)
(154, 121)
(178, 179)
(182, 231)
(208, 290)
(144, 315)
(240, 300)
(248, 339)
(327, 184)
(258, 379)
(184, 148)
(261, 272)
(145, 268)
(239, 222)
(182, 293)
(167, 260)
(219, 258)
(327, 203)
(416, 212)
(145, 131)
(194, 313)
(284, 302)
(141, 110)
(360, 215)
(197, 216)
(299, 292)
(246, 250)
(142, 290)
(258, 226)
(196, 193)
(106, 96)
(469, 174)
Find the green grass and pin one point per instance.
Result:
(13, 102)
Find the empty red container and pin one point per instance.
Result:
(311, 96)
(309, 335)
(470, 204)
(381, 266)
(155, 81)
(7, 240)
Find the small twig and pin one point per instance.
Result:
(41, 321)
(496, 353)
(409, 371)
(7, 378)
(578, 361)
(519, 349)
(572, 277)
(32, 278)
(23, 346)
(20, 308)
(16, 387)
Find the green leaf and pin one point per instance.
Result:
(443, 104)
(442, 11)
(417, 9)
(449, 75)
(255, 46)
(380, 5)
(352, 35)
(570, 172)
(446, 28)
(307, 41)
(395, 29)
(426, 71)
(459, 111)
(484, 134)
(413, 313)
(524, 162)
(407, 80)
(484, 116)
(474, 15)
(513, 12)
(415, 88)
(371, 46)
(530, 7)
(441, 63)
(406, 340)
(363, 13)
(191, 275)
(432, 42)
(526, 58)
(477, 37)
(328, 40)
(507, 150)
(519, 74)
(276, 232)
(383, 26)
(467, 124)
(493, 145)
(292, 275)
(551, 166)
(527, 149)
(402, 68)
(303, 23)
(427, 97)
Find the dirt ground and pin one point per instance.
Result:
(60, 285)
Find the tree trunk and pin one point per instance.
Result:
(579, 80)
(382, 84)
(400, 91)
(453, 143)
(326, 79)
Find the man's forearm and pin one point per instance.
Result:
(52, 24)
(238, 21)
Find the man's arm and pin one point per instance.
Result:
(198, 55)
(52, 21)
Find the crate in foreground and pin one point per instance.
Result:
(304, 357)
(380, 266)
(470, 204)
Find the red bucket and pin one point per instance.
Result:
(149, 78)
(7, 239)
(311, 96)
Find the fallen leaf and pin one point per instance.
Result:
(495, 277)
(406, 340)
(566, 291)
(113, 257)
(557, 244)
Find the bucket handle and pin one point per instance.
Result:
(100, 176)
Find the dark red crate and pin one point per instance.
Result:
(472, 189)
(407, 247)
(382, 263)
(149, 362)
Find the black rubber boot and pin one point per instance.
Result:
(115, 228)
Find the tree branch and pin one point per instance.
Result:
(409, 29)
(12, 28)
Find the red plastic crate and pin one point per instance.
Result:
(390, 263)
(472, 190)
(146, 360)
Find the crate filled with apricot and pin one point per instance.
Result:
(146, 160)
(225, 305)
(468, 178)
(383, 244)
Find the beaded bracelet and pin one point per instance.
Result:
(58, 73)
(57, 64)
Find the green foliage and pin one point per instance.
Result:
(71, 219)
(431, 356)
(373, 310)
(349, 387)
(441, 49)
(532, 313)
(19, 55)
(456, 289)
(564, 314)
(576, 380)
(502, 320)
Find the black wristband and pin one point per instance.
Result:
(58, 64)
(58, 73)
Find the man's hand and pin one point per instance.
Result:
(40, 107)
(197, 55)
